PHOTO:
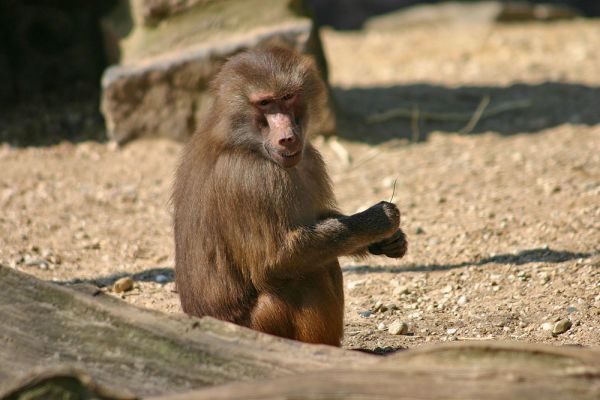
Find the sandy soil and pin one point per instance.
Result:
(503, 219)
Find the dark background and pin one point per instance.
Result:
(47, 45)
(52, 58)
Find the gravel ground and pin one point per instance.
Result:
(502, 212)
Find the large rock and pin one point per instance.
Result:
(473, 13)
(150, 12)
(169, 57)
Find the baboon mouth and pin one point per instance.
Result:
(286, 159)
(289, 154)
(289, 159)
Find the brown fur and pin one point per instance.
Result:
(256, 243)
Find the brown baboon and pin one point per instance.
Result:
(257, 231)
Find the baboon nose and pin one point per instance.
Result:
(287, 141)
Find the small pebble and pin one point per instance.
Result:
(523, 276)
(398, 328)
(547, 326)
(354, 284)
(562, 326)
(377, 305)
(55, 259)
(123, 285)
(38, 262)
(365, 314)
(400, 290)
(381, 327)
(451, 331)
(462, 300)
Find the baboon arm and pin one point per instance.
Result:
(361, 251)
(308, 248)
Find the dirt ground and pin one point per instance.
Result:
(502, 212)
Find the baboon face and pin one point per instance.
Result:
(269, 96)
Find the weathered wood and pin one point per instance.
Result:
(116, 351)
(455, 371)
(382, 385)
(60, 384)
(145, 352)
(486, 371)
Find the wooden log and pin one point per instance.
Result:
(456, 371)
(60, 384)
(485, 371)
(117, 351)
(141, 351)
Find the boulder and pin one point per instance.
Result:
(468, 13)
(174, 48)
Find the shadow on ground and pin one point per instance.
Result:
(381, 351)
(149, 275)
(523, 257)
(526, 256)
(514, 109)
(519, 108)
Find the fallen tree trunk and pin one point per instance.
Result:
(116, 351)
(484, 371)
(142, 351)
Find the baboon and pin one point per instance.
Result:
(257, 229)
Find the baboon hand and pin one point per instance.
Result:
(384, 218)
(394, 246)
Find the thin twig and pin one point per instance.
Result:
(393, 190)
(372, 154)
(485, 101)
(447, 117)
(353, 332)
(475, 338)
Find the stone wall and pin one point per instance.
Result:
(172, 50)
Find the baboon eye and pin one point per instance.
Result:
(264, 102)
(288, 96)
